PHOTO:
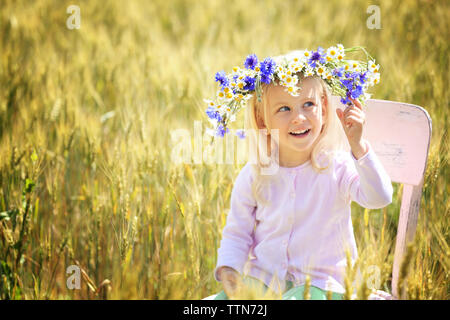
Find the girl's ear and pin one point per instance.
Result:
(260, 121)
(261, 125)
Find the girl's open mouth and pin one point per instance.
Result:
(300, 134)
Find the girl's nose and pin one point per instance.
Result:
(298, 117)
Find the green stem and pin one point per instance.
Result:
(357, 48)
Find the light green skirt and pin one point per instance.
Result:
(292, 292)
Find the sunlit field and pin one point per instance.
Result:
(87, 176)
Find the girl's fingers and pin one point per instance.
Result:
(353, 119)
(355, 112)
(350, 117)
(361, 118)
(353, 108)
(341, 116)
(229, 290)
(356, 103)
(231, 285)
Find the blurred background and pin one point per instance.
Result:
(85, 150)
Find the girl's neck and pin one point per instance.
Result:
(290, 159)
(290, 162)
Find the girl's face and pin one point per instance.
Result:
(299, 120)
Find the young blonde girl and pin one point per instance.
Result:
(291, 226)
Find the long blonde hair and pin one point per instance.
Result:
(331, 140)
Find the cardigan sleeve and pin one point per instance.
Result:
(365, 181)
(237, 235)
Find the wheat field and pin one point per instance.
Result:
(86, 115)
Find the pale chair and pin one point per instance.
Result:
(400, 135)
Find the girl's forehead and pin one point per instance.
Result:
(309, 89)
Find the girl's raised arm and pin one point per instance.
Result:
(365, 181)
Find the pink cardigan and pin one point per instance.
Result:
(307, 226)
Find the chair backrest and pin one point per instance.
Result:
(400, 135)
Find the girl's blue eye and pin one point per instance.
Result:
(307, 104)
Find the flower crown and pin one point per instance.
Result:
(346, 78)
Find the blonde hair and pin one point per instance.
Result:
(331, 139)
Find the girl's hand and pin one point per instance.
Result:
(231, 280)
(352, 120)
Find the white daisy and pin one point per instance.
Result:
(296, 67)
(374, 78)
(292, 89)
(320, 70)
(290, 80)
(238, 97)
(306, 54)
(221, 109)
(299, 57)
(309, 72)
(340, 54)
(373, 67)
(279, 69)
(352, 65)
(229, 95)
(210, 103)
(220, 95)
(332, 53)
(240, 85)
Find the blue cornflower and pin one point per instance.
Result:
(213, 114)
(265, 79)
(363, 76)
(221, 77)
(249, 83)
(317, 56)
(354, 75)
(347, 83)
(221, 131)
(356, 92)
(240, 133)
(267, 66)
(345, 100)
(338, 72)
(251, 62)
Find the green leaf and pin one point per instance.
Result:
(29, 185)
